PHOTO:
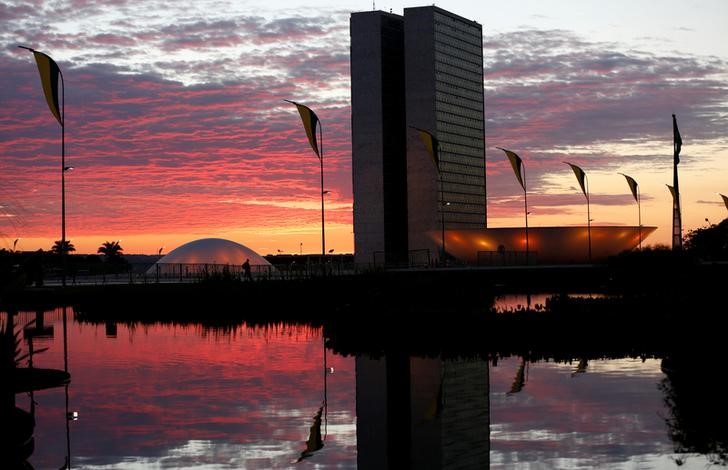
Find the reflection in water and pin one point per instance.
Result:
(520, 380)
(698, 417)
(185, 396)
(18, 375)
(314, 441)
(422, 413)
(179, 396)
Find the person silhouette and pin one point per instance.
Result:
(247, 276)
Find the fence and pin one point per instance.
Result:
(145, 273)
(415, 259)
(507, 258)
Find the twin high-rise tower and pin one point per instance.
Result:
(422, 70)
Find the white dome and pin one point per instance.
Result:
(213, 251)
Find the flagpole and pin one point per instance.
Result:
(52, 98)
(442, 202)
(639, 216)
(525, 206)
(63, 180)
(676, 216)
(323, 225)
(676, 213)
(588, 217)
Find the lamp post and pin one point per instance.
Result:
(520, 170)
(433, 148)
(310, 122)
(443, 204)
(49, 76)
(584, 183)
(636, 194)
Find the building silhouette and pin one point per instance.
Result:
(422, 413)
(422, 70)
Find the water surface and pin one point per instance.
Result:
(173, 396)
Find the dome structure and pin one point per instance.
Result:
(206, 256)
(213, 251)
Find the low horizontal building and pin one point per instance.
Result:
(546, 245)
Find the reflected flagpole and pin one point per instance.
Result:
(310, 122)
(584, 183)
(49, 77)
(518, 168)
(636, 194)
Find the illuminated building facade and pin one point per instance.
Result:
(424, 70)
(421, 70)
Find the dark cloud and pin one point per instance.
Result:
(549, 90)
(191, 106)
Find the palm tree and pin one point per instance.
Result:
(112, 250)
(62, 247)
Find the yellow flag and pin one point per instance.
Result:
(672, 191)
(632, 186)
(517, 165)
(431, 144)
(580, 176)
(49, 74)
(725, 200)
(310, 121)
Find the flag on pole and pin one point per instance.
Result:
(725, 200)
(431, 144)
(672, 191)
(517, 165)
(49, 74)
(632, 185)
(580, 176)
(310, 121)
(677, 140)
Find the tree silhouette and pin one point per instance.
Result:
(112, 250)
(709, 242)
(62, 247)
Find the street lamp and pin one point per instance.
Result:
(584, 184)
(50, 74)
(442, 222)
(310, 122)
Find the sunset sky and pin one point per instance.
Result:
(177, 128)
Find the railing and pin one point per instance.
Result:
(507, 258)
(415, 259)
(145, 273)
(306, 268)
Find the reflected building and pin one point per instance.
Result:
(422, 413)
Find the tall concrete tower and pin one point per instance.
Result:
(421, 70)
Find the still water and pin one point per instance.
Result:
(171, 396)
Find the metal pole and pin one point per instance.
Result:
(65, 340)
(63, 181)
(525, 205)
(588, 217)
(321, 160)
(326, 390)
(442, 203)
(676, 213)
(639, 217)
